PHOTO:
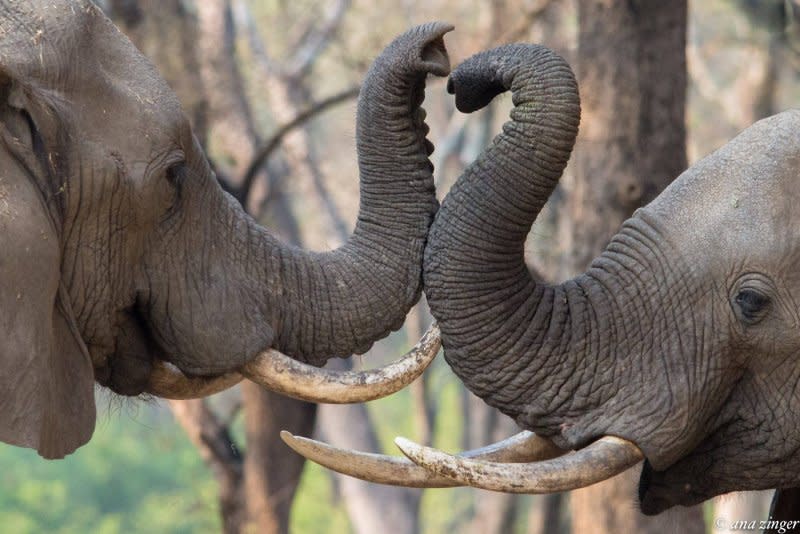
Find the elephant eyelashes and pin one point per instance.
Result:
(752, 305)
(176, 176)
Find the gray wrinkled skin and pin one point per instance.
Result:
(682, 336)
(118, 247)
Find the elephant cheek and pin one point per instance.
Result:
(129, 369)
(212, 335)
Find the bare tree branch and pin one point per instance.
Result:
(229, 113)
(263, 153)
(209, 435)
(219, 452)
(314, 42)
(449, 145)
(523, 25)
(243, 18)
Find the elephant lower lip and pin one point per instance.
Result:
(659, 492)
(645, 479)
(653, 505)
(649, 502)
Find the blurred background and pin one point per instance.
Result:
(270, 87)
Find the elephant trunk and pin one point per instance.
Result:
(561, 360)
(489, 307)
(247, 292)
(340, 302)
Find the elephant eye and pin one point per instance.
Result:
(176, 176)
(752, 305)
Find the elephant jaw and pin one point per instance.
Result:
(139, 365)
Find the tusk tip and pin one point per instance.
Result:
(292, 441)
(400, 441)
(303, 446)
(280, 373)
(406, 446)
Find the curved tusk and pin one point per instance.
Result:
(606, 457)
(168, 382)
(397, 471)
(282, 374)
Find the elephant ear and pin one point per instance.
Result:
(46, 375)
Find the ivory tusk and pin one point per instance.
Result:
(168, 382)
(282, 374)
(397, 471)
(606, 457)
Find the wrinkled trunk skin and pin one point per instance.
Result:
(479, 262)
(573, 361)
(246, 291)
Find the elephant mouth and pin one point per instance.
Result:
(661, 490)
(712, 466)
(126, 370)
(140, 365)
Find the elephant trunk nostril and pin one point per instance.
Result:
(435, 54)
(473, 89)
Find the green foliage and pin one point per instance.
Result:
(315, 508)
(138, 474)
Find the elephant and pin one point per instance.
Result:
(125, 264)
(678, 345)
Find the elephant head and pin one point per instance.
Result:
(681, 337)
(679, 344)
(123, 262)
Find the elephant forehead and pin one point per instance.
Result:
(70, 51)
(746, 195)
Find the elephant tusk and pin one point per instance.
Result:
(604, 458)
(397, 471)
(168, 382)
(282, 374)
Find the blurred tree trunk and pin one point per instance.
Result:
(371, 507)
(216, 447)
(632, 74)
(271, 471)
(741, 506)
(232, 132)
